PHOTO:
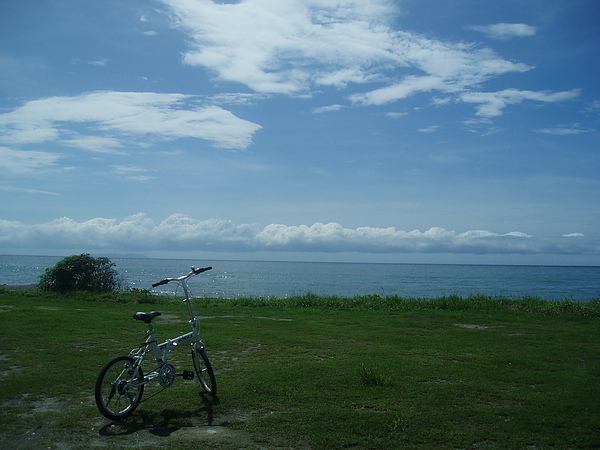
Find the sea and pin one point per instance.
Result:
(236, 279)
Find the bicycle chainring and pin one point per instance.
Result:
(166, 375)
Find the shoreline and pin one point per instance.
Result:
(20, 287)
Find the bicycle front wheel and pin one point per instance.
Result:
(118, 391)
(204, 369)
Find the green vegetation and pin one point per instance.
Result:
(310, 372)
(81, 273)
(398, 304)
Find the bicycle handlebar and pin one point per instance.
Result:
(161, 282)
(195, 271)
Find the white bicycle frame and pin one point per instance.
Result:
(161, 351)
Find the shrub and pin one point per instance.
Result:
(81, 273)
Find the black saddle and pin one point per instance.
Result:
(146, 316)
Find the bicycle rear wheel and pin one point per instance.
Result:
(204, 369)
(117, 391)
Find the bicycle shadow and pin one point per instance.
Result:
(158, 423)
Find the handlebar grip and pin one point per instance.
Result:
(161, 282)
(201, 269)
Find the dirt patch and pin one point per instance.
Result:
(169, 318)
(50, 308)
(214, 435)
(141, 431)
(48, 422)
(26, 406)
(121, 435)
(8, 370)
(472, 326)
(276, 319)
(438, 381)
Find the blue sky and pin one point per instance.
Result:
(463, 131)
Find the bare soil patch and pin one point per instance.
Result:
(471, 326)
(41, 425)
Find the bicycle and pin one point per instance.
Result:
(120, 384)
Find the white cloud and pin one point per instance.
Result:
(518, 234)
(342, 77)
(281, 47)
(297, 46)
(437, 101)
(330, 108)
(429, 129)
(505, 30)
(396, 115)
(406, 88)
(291, 47)
(491, 104)
(98, 62)
(237, 98)
(180, 232)
(593, 107)
(115, 117)
(564, 130)
(26, 190)
(97, 144)
(134, 173)
(25, 162)
(573, 235)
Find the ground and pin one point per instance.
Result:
(42, 428)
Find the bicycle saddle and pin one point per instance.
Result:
(146, 316)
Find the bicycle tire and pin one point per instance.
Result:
(204, 369)
(114, 398)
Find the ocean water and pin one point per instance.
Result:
(232, 279)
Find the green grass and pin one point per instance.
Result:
(313, 372)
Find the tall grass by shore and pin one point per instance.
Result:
(396, 303)
(372, 302)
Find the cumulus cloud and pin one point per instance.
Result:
(180, 232)
(505, 30)
(114, 117)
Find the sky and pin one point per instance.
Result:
(406, 131)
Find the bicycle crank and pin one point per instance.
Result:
(166, 375)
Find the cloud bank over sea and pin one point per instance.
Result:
(178, 232)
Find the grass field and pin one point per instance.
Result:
(310, 372)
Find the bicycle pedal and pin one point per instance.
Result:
(188, 374)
